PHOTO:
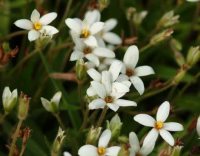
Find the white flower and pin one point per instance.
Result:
(38, 24)
(9, 99)
(87, 28)
(102, 149)
(91, 53)
(159, 125)
(109, 93)
(53, 104)
(67, 154)
(106, 35)
(198, 126)
(130, 71)
(135, 148)
(192, 0)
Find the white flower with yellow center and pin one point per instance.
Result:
(67, 154)
(91, 53)
(109, 93)
(102, 149)
(86, 29)
(198, 126)
(159, 125)
(38, 24)
(133, 73)
(136, 150)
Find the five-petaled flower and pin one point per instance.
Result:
(38, 25)
(102, 149)
(159, 125)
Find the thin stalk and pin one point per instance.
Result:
(57, 116)
(3, 118)
(145, 47)
(80, 86)
(9, 36)
(15, 136)
(103, 114)
(85, 119)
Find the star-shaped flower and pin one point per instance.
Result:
(159, 125)
(133, 73)
(38, 25)
(102, 149)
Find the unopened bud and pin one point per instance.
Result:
(130, 12)
(168, 19)
(180, 75)
(9, 99)
(81, 70)
(93, 135)
(193, 55)
(103, 4)
(139, 17)
(115, 126)
(23, 108)
(161, 36)
(58, 141)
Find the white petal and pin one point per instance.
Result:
(94, 74)
(104, 52)
(35, 16)
(96, 104)
(14, 94)
(147, 148)
(104, 138)
(110, 24)
(67, 154)
(92, 16)
(33, 35)
(107, 81)
(48, 18)
(113, 106)
(24, 24)
(167, 136)
(99, 89)
(122, 78)
(76, 55)
(46, 104)
(163, 111)
(112, 38)
(173, 126)
(92, 58)
(74, 25)
(91, 41)
(91, 92)
(50, 30)
(131, 56)
(56, 98)
(88, 150)
(124, 103)
(113, 151)
(138, 84)
(119, 87)
(151, 137)
(115, 69)
(144, 71)
(145, 120)
(96, 27)
(100, 42)
(198, 126)
(134, 142)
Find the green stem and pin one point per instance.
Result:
(57, 116)
(103, 114)
(85, 119)
(145, 47)
(15, 136)
(9, 36)
(3, 118)
(81, 96)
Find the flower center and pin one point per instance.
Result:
(37, 25)
(101, 150)
(159, 125)
(87, 50)
(108, 99)
(85, 33)
(129, 72)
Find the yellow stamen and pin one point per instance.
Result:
(101, 151)
(85, 33)
(159, 125)
(37, 25)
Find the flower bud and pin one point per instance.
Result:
(193, 55)
(179, 76)
(176, 151)
(23, 107)
(103, 4)
(168, 19)
(81, 70)
(9, 99)
(130, 12)
(139, 17)
(198, 126)
(115, 126)
(93, 135)
(161, 36)
(52, 105)
(58, 141)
